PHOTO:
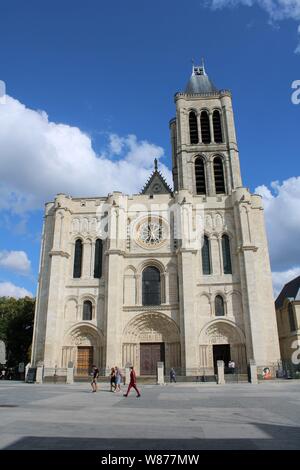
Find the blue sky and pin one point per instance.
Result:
(90, 90)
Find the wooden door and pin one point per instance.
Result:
(84, 360)
(150, 355)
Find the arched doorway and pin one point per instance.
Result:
(150, 338)
(83, 347)
(221, 340)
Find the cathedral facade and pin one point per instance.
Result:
(176, 275)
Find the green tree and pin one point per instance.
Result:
(16, 328)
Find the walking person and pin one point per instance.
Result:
(112, 380)
(172, 375)
(231, 367)
(132, 383)
(118, 378)
(95, 375)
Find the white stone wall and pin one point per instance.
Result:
(289, 340)
(185, 321)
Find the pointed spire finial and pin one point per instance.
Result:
(155, 164)
(193, 65)
(203, 66)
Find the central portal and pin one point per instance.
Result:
(151, 354)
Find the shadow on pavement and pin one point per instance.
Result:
(277, 438)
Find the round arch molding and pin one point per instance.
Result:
(221, 331)
(84, 337)
(218, 333)
(150, 328)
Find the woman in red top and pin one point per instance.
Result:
(132, 383)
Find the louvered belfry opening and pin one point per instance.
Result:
(219, 176)
(206, 265)
(194, 138)
(205, 129)
(98, 258)
(217, 127)
(227, 268)
(200, 176)
(77, 259)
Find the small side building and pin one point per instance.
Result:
(288, 320)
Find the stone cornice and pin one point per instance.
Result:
(213, 283)
(94, 283)
(150, 308)
(211, 95)
(63, 208)
(64, 254)
(247, 248)
(114, 251)
(145, 254)
(187, 250)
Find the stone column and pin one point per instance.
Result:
(39, 375)
(189, 344)
(166, 288)
(211, 189)
(160, 373)
(70, 373)
(211, 127)
(199, 127)
(114, 298)
(229, 132)
(227, 176)
(221, 377)
(253, 372)
(26, 370)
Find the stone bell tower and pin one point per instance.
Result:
(204, 127)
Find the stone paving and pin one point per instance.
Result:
(170, 417)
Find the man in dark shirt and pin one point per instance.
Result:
(95, 375)
(132, 383)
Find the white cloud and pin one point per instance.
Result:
(281, 278)
(282, 213)
(40, 158)
(8, 289)
(15, 260)
(277, 10)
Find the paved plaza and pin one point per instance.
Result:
(177, 416)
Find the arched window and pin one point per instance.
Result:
(87, 310)
(200, 176)
(217, 127)
(227, 268)
(205, 129)
(219, 306)
(98, 258)
(291, 317)
(206, 266)
(219, 175)
(194, 138)
(151, 286)
(77, 259)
